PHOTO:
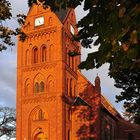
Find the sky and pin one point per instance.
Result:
(8, 64)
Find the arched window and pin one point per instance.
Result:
(40, 136)
(27, 57)
(35, 55)
(41, 86)
(40, 115)
(44, 54)
(51, 86)
(36, 87)
(27, 89)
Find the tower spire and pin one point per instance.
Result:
(97, 83)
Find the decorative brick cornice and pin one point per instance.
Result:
(41, 32)
(38, 99)
(36, 67)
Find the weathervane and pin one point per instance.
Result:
(40, 2)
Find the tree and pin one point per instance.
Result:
(116, 24)
(6, 33)
(7, 122)
(128, 116)
(129, 81)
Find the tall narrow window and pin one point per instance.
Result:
(35, 55)
(40, 115)
(67, 86)
(67, 57)
(27, 58)
(69, 137)
(27, 89)
(130, 136)
(36, 87)
(71, 87)
(41, 86)
(51, 86)
(43, 54)
(51, 52)
(69, 60)
(69, 114)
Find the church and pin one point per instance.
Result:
(54, 100)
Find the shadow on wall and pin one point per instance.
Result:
(85, 109)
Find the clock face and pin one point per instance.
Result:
(39, 21)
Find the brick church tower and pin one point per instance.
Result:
(45, 73)
(54, 100)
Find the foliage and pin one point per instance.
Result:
(128, 116)
(7, 122)
(116, 24)
(6, 33)
(129, 80)
(5, 8)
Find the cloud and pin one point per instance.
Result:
(19, 7)
(7, 96)
(8, 60)
(7, 78)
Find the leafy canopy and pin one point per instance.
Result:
(7, 33)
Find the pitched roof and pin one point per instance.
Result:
(61, 14)
(80, 102)
(109, 107)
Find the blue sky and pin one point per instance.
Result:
(8, 66)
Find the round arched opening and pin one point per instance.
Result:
(40, 136)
